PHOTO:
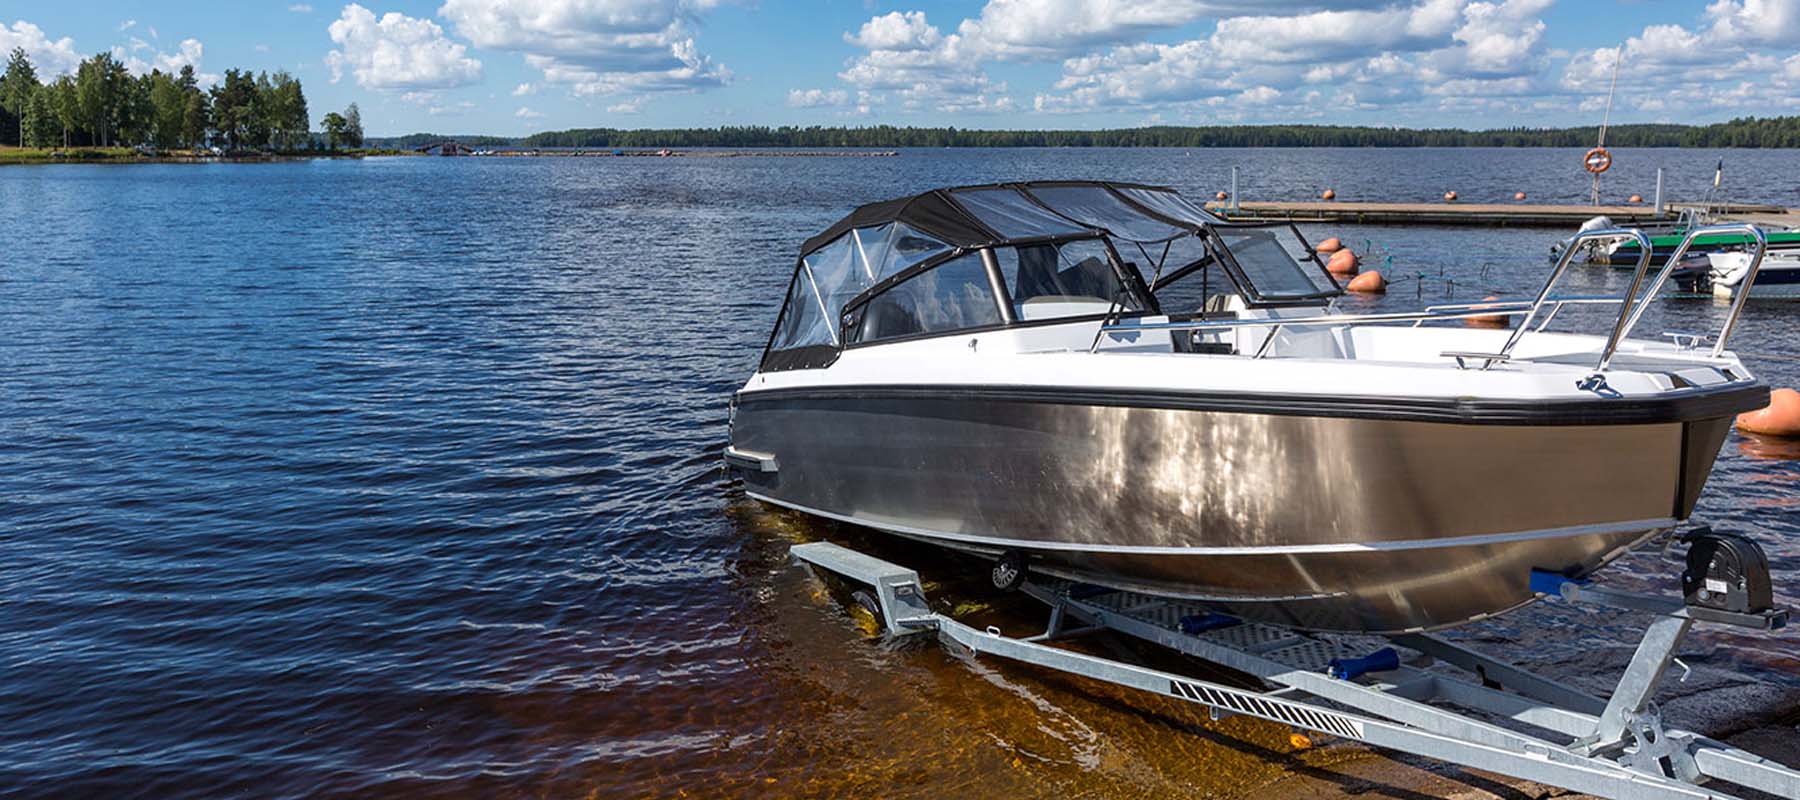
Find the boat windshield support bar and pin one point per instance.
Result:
(997, 283)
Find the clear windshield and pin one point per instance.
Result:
(1273, 272)
(1067, 279)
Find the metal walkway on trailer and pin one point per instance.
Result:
(1378, 690)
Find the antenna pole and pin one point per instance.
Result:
(1618, 56)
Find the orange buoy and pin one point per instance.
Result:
(1486, 320)
(1635, 199)
(1221, 196)
(1343, 262)
(1449, 197)
(1369, 282)
(1330, 245)
(1781, 417)
(1518, 195)
(1328, 195)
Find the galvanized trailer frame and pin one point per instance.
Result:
(1346, 686)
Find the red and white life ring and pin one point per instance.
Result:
(1597, 160)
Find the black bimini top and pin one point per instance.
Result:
(982, 214)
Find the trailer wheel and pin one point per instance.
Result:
(868, 603)
(1009, 571)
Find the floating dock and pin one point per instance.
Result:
(1495, 214)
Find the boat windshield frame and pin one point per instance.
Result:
(1131, 281)
(966, 231)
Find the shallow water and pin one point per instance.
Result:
(401, 477)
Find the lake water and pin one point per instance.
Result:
(401, 477)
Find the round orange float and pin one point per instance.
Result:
(1330, 245)
(1635, 199)
(1343, 262)
(1449, 197)
(1328, 195)
(1369, 282)
(1518, 195)
(1781, 417)
(1486, 320)
(1220, 196)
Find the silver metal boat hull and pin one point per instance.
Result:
(1322, 522)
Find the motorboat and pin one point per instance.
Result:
(1665, 237)
(1102, 382)
(1778, 278)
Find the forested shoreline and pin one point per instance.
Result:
(1744, 132)
(102, 108)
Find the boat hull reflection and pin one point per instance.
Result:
(1330, 523)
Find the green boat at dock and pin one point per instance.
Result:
(1625, 253)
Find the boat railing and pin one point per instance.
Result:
(1491, 308)
(1631, 306)
(1562, 265)
(1755, 237)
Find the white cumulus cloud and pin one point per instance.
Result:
(51, 57)
(397, 52)
(595, 47)
(816, 98)
(188, 54)
(896, 31)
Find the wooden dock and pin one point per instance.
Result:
(1496, 214)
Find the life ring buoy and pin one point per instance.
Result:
(1597, 160)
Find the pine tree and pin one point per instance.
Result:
(16, 90)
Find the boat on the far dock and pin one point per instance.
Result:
(1778, 278)
(1665, 238)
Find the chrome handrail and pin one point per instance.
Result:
(1562, 264)
(1557, 303)
(1756, 237)
(1561, 298)
(1630, 311)
(1491, 309)
(1743, 292)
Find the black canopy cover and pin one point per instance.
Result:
(942, 214)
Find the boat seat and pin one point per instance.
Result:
(1212, 343)
(886, 320)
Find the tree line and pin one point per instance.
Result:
(414, 141)
(1743, 132)
(103, 105)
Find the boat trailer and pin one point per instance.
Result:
(1383, 690)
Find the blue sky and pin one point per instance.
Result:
(516, 66)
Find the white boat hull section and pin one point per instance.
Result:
(1778, 278)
